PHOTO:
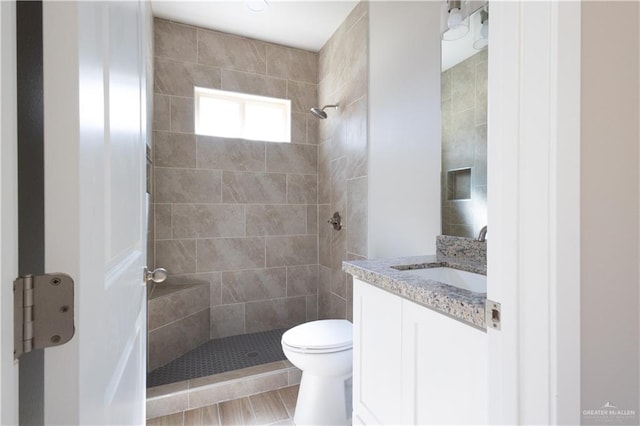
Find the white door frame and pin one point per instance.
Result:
(534, 205)
(8, 211)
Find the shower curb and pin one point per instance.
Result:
(195, 393)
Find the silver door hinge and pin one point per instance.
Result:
(43, 312)
(493, 312)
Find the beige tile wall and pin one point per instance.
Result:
(464, 143)
(178, 321)
(342, 160)
(240, 214)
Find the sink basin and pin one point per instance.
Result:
(461, 279)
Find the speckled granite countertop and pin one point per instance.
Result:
(461, 304)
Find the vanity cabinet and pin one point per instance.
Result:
(413, 365)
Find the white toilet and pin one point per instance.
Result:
(323, 350)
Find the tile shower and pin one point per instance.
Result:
(342, 160)
(241, 225)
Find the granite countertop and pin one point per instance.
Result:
(458, 303)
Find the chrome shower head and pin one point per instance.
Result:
(320, 112)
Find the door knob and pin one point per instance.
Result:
(158, 275)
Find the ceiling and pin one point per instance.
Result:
(304, 24)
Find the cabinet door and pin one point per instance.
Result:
(444, 369)
(377, 340)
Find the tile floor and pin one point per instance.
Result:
(221, 355)
(269, 408)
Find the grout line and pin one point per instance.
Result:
(253, 410)
(254, 172)
(265, 254)
(286, 281)
(289, 415)
(218, 415)
(244, 308)
(198, 50)
(196, 259)
(179, 319)
(171, 222)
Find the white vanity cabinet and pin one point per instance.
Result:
(413, 365)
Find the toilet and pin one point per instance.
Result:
(323, 350)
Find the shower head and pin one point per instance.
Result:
(320, 112)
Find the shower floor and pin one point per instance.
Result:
(221, 355)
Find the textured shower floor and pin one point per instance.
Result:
(221, 355)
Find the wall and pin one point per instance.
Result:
(241, 215)
(404, 129)
(464, 145)
(342, 160)
(610, 209)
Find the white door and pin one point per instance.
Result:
(95, 220)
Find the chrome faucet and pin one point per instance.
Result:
(482, 237)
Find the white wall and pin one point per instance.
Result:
(8, 211)
(404, 128)
(610, 222)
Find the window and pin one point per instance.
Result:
(236, 115)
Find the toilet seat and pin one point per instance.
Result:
(324, 336)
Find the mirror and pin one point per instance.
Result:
(464, 127)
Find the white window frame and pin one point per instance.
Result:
(243, 99)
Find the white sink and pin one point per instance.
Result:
(461, 279)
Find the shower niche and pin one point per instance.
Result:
(458, 184)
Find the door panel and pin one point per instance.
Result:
(444, 369)
(96, 174)
(377, 386)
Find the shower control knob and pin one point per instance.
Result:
(335, 221)
(158, 275)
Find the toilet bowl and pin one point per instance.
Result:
(323, 350)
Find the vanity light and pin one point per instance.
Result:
(483, 39)
(458, 27)
(257, 5)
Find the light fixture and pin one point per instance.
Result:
(458, 26)
(483, 39)
(257, 5)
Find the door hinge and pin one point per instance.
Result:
(493, 313)
(43, 312)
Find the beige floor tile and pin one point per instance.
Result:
(210, 415)
(170, 420)
(289, 397)
(236, 412)
(285, 422)
(204, 416)
(268, 407)
(193, 417)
